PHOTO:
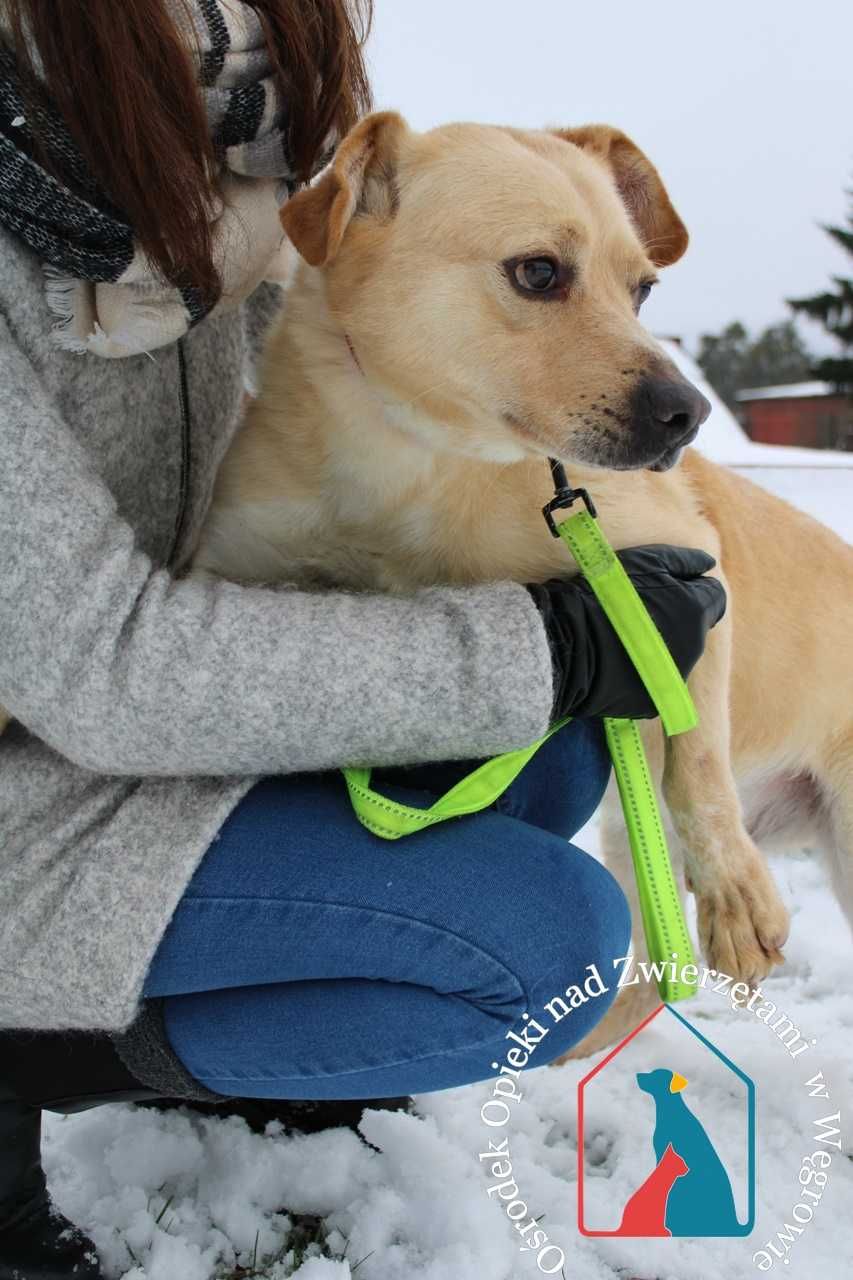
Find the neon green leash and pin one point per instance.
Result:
(668, 940)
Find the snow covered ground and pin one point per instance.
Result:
(179, 1197)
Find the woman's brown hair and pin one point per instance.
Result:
(121, 75)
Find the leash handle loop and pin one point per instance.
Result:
(477, 790)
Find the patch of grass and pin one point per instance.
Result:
(133, 1255)
(307, 1237)
(159, 1217)
(306, 1230)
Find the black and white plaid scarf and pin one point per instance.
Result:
(100, 285)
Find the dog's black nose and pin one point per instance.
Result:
(673, 406)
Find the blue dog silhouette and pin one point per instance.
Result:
(701, 1203)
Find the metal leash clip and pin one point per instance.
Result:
(564, 497)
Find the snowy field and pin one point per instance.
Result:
(178, 1197)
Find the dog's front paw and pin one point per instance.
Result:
(743, 923)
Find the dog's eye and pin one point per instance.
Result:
(539, 275)
(536, 274)
(642, 291)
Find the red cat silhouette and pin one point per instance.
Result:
(646, 1210)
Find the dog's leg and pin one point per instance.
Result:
(837, 786)
(742, 920)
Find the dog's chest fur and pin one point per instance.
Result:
(319, 541)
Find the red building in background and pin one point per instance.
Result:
(809, 414)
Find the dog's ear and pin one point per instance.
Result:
(662, 232)
(361, 178)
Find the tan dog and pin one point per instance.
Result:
(467, 306)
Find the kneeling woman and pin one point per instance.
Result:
(189, 908)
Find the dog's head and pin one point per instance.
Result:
(661, 1083)
(490, 279)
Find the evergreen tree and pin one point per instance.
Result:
(834, 310)
(732, 360)
(778, 355)
(720, 358)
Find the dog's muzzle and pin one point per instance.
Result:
(666, 415)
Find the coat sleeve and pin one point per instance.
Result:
(126, 670)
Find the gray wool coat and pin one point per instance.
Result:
(146, 704)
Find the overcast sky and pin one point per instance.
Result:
(745, 107)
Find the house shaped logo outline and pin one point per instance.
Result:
(743, 1229)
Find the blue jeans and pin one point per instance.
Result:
(308, 958)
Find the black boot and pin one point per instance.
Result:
(48, 1071)
(36, 1242)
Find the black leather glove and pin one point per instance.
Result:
(593, 674)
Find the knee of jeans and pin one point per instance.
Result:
(614, 935)
(609, 935)
(590, 923)
(589, 969)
